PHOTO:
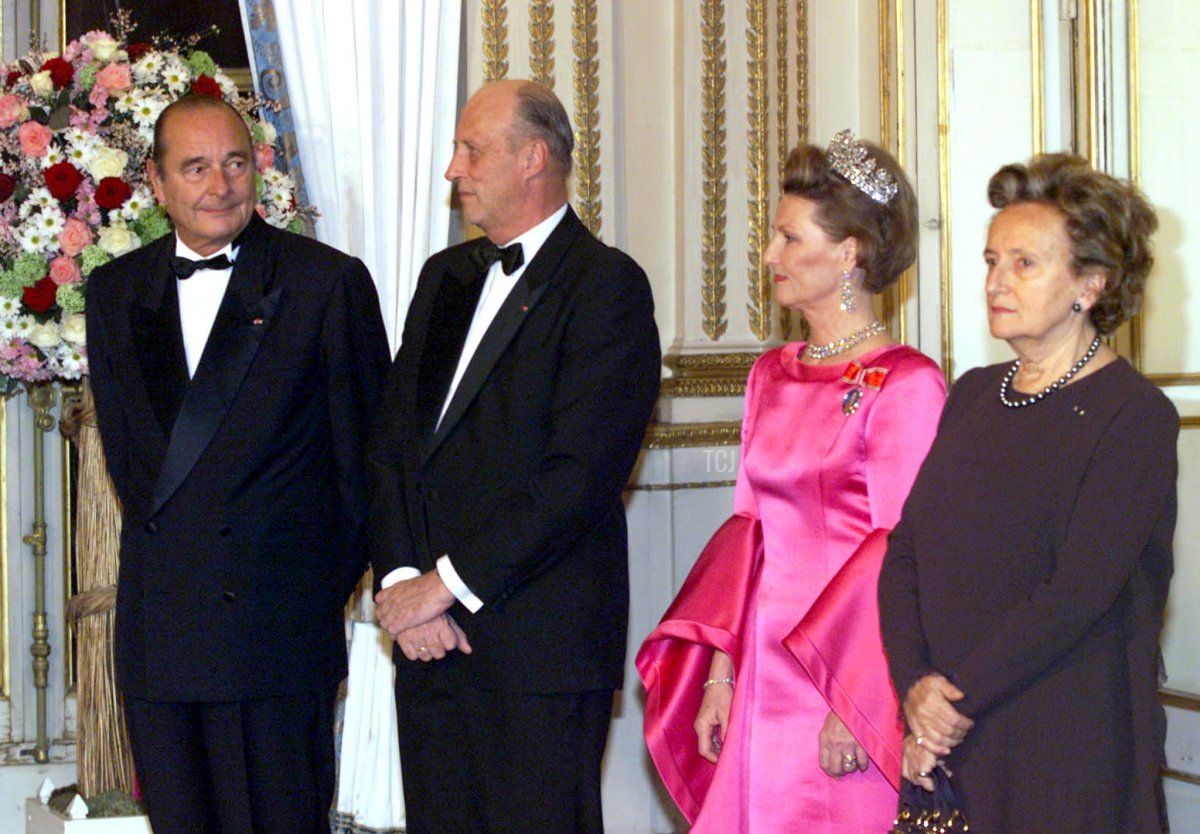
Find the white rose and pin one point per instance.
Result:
(116, 240)
(44, 336)
(103, 48)
(41, 83)
(269, 132)
(107, 162)
(74, 329)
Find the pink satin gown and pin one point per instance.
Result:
(820, 476)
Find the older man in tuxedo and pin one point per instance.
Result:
(512, 418)
(234, 367)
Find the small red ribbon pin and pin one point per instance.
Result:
(860, 377)
(871, 378)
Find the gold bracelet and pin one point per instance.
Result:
(712, 681)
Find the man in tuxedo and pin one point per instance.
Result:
(512, 418)
(235, 367)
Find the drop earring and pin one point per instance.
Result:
(847, 293)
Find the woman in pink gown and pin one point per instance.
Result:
(769, 707)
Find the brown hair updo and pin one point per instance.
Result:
(1109, 223)
(886, 232)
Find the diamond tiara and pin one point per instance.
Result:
(848, 157)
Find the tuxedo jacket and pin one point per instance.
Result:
(242, 489)
(521, 483)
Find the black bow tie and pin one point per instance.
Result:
(185, 267)
(510, 257)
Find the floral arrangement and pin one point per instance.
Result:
(75, 132)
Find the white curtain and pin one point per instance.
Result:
(373, 87)
(374, 93)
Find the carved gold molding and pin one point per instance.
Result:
(541, 41)
(692, 435)
(494, 15)
(712, 293)
(678, 487)
(802, 71)
(1091, 79)
(1137, 337)
(943, 96)
(703, 387)
(707, 374)
(587, 116)
(6, 651)
(710, 364)
(892, 70)
(759, 306)
(1037, 71)
(781, 92)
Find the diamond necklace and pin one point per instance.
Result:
(845, 343)
(1049, 389)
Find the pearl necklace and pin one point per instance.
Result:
(845, 343)
(1049, 389)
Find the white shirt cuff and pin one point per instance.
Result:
(457, 587)
(399, 575)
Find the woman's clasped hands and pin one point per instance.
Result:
(935, 727)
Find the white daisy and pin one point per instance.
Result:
(149, 105)
(33, 239)
(10, 308)
(36, 200)
(126, 101)
(50, 220)
(54, 155)
(139, 201)
(176, 75)
(148, 67)
(23, 325)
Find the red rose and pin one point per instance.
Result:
(7, 186)
(61, 72)
(137, 50)
(206, 86)
(62, 179)
(112, 192)
(40, 297)
(13, 77)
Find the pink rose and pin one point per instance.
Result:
(116, 77)
(35, 138)
(74, 237)
(11, 110)
(264, 157)
(64, 270)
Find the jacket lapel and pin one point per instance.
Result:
(523, 298)
(245, 314)
(158, 345)
(450, 318)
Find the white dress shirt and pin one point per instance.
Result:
(496, 289)
(199, 300)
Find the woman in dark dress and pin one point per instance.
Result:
(1022, 594)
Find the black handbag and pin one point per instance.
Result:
(925, 812)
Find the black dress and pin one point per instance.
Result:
(1031, 567)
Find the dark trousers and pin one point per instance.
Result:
(495, 762)
(243, 767)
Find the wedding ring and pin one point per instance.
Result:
(422, 650)
(849, 762)
(924, 774)
(920, 741)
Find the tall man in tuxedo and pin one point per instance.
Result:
(512, 418)
(235, 367)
